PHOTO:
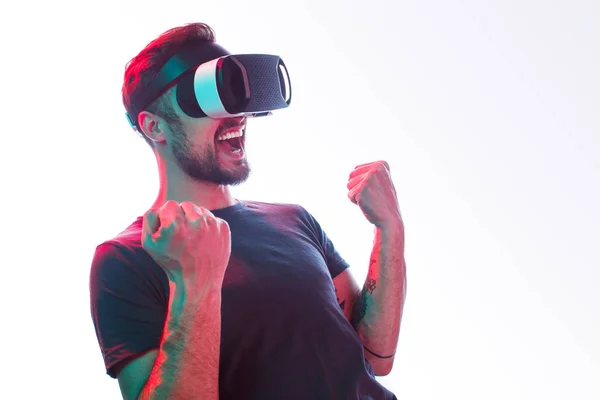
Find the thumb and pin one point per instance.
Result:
(354, 194)
(151, 222)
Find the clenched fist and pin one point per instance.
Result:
(188, 242)
(370, 187)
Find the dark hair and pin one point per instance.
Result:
(140, 71)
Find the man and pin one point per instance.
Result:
(208, 297)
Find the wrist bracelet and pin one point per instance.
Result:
(377, 355)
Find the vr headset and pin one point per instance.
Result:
(213, 83)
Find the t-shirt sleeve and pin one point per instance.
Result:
(127, 306)
(335, 262)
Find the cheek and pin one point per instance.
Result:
(201, 124)
(202, 131)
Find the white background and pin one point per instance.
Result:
(487, 112)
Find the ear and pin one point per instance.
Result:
(152, 126)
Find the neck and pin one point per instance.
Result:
(176, 186)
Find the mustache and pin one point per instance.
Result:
(231, 123)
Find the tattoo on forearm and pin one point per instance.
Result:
(371, 283)
(359, 309)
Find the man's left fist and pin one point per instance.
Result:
(370, 187)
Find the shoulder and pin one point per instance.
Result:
(122, 257)
(120, 247)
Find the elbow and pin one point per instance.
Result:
(382, 371)
(382, 367)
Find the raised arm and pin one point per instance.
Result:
(186, 365)
(193, 248)
(377, 311)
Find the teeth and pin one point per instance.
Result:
(231, 135)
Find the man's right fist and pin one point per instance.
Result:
(188, 242)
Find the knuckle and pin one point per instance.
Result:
(200, 210)
(206, 220)
(193, 220)
(190, 210)
(170, 204)
(207, 212)
(220, 223)
(187, 205)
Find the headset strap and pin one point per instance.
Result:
(189, 55)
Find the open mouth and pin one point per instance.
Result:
(232, 140)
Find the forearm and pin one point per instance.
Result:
(377, 313)
(187, 365)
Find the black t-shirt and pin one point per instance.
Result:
(283, 334)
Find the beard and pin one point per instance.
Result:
(202, 164)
